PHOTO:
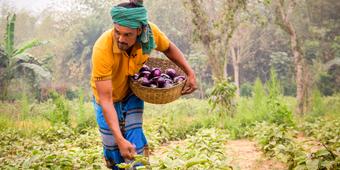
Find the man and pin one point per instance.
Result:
(118, 53)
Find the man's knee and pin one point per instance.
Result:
(146, 152)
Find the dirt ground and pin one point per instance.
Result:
(246, 156)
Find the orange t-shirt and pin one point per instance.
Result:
(110, 63)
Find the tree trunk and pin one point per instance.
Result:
(235, 57)
(300, 82)
(214, 39)
(4, 89)
(299, 61)
(201, 89)
(225, 68)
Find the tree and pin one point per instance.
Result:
(13, 60)
(198, 62)
(214, 28)
(283, 12)
(322, 43)
(240, 49)
(78, 28)
(283, 64)
(172, 19)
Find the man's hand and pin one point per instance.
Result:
(176, 56)
(127, 150)
(190, 85)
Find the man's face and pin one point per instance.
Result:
(126, 37)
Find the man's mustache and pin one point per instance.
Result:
(123, 43)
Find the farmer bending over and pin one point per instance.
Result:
(118, 53)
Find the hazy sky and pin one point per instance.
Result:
(35, 5)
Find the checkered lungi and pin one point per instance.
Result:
(130, 115)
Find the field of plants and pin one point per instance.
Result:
(267, 73)
(185, 134)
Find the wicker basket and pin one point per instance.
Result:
(158, 95)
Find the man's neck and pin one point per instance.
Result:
(128, 51)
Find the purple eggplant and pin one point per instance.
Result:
(144, 68)
(145, 74)
(171, 72)
(165, 76)
(169, 80)
(161, 82)
(156, 72)
(144, 81)
(168, 83)
(154, 80)
(179, 79)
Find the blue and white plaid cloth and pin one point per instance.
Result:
(130, 111)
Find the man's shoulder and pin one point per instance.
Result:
(153, 26)
(161, 39)
(155, 30)
(105, 40)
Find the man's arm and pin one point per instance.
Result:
(176, 56)
(104, 89)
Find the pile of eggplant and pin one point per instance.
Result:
(153, 77)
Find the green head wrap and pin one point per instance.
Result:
(135, 18)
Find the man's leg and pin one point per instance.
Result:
(110, 148)
(133, 111)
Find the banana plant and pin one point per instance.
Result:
(14, 61)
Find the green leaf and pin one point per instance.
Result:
(312, 164)
(35, 152)
(322, 152)
(327, 164)
(300, 167)
(28, 45)
(39, 72)
(9, 35)
(140, 167)
(195, 162)
(26, 58)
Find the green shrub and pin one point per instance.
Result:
(278, 111)
(259, 107)
(60, 112)
(204, 150)
(246, 90)
(71, 94)
(222, 98)
(327, 83)
(332, 105)
(59, 131)
(84, 119)
(318, 107)
(266, 104)
(5, 123)
(25, 106)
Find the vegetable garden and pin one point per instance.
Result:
(267, 72)
(185, 134)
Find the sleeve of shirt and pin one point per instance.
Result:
(102, 63)
(161, 39)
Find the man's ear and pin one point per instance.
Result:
(139, 31)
